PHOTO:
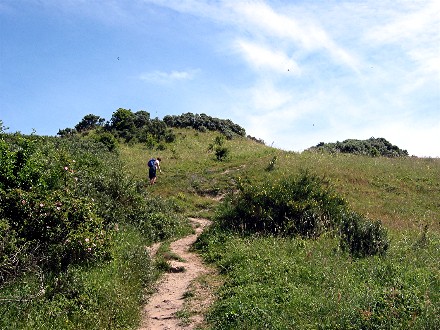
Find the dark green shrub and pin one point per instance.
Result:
(219, 140)
(361, 236)
(196, 121)
(221, 153)
(108, 140)
(169, 136)
(303, 205)
(89, 122)
(21, 166)
(65, 228)
(373, 147)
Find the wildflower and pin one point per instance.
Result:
(66, 168)
(87, 240)
(41, 204)
(23, 202)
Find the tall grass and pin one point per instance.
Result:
(399, 191)
(285, 283)
(293, 283)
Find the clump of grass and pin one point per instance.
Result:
(361, 236)
(272, 163)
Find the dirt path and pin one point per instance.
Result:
(160, 312)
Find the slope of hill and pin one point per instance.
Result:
(281, 282)
(277, 282)
(377, 186)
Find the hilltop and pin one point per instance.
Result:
(371, 147)
(140, 127)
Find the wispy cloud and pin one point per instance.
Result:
(168, 77)
(291, 30)
(287, 32)
(263, 57)
(415, 29)
(408, 21)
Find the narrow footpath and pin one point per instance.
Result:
(174, 286)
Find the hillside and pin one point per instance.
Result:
(378, 186)
(267, 278)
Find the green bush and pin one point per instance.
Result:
(373, 147)
(361, 236)
(303, 205)
(272, 163)
(221, 153)
(65, 205)
(108, 140)
(65, 228)
(204, 122)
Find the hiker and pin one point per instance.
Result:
(154, 165)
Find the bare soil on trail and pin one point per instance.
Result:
(183, 294)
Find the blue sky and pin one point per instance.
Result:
(293, 73)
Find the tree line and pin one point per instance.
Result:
(140, 127)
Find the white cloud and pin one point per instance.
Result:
(262, 57)
(409, 22)
(267, 97)
(291, 30)
(288, 32)
(414, 29)
(168, 77)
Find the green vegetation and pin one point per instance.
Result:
(285, 282)
(371, 147)
(303, 206)
(293, 283)
(315, 240)
(137, 126)
(73, 231)
(204, 122)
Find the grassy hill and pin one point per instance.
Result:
(399, 191)
(291, 282)
(270, 281)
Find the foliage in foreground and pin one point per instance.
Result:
(275, 282)
(106, 295)
(73, 227)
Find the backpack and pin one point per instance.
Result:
(151, 162)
